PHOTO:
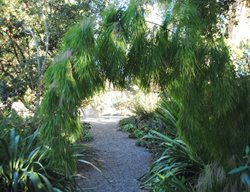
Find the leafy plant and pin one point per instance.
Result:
(21, 166)
(214, 178)
(24, 166)
(9, 119)
(86, 134)
(138, 126)
(167, 112)
(177, 169)
(244, 170)
(128, 127)
(187, 55)
(125, 121)
(140, 110)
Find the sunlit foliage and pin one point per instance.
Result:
(186, 54)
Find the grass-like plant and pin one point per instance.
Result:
(24, 166)
(176, 169)
(21, 166)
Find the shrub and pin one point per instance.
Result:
(140, 110)
(214, 178)
(138, 126)
(24, 167)
(125, 121)
(242, 172)
(86, 134)
(10, 119)
(143, 104)
(177, 169)
(21, 165)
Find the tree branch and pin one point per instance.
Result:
(46, 44)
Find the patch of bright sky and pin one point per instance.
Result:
(153, 14)
(153, 11)
(241, 32)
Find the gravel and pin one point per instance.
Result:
(122, 162)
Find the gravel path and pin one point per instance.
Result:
(121, 161)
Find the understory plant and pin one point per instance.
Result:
(243, 171)
(138, 126)
(177, 168)
(214, 177)
(9, 119)
(86, 135)
(24, 166)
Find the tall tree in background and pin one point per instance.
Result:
(30, 33)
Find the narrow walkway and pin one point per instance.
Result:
(122, 162)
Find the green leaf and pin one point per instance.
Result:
(35, 180)
(238, 170)
(46, 181)
(247, 150)
(245, 179)
(91, 164)
(15, 181)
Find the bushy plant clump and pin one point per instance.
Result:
(24, 166)
(24, 162)
(176, 166)
(139, 126)
(10, 119)
(86, 135)
(186, 55)
(175, 169)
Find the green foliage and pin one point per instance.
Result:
(19, 58)
(10, 119)
(125, 121)
(167, 112)
(25, 165)
(86, 135)
(139, 110)
(21, 166)
(214, 178)
(177, 169)
(143, 104)
(138, 126)
(186, 55)
(243, 59)
(133, 131)
(69, 80)
(128, 127)
(243, 170)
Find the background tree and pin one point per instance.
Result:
(30, 33)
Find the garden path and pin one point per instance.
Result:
(121, 161)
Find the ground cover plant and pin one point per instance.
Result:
(86, 135)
